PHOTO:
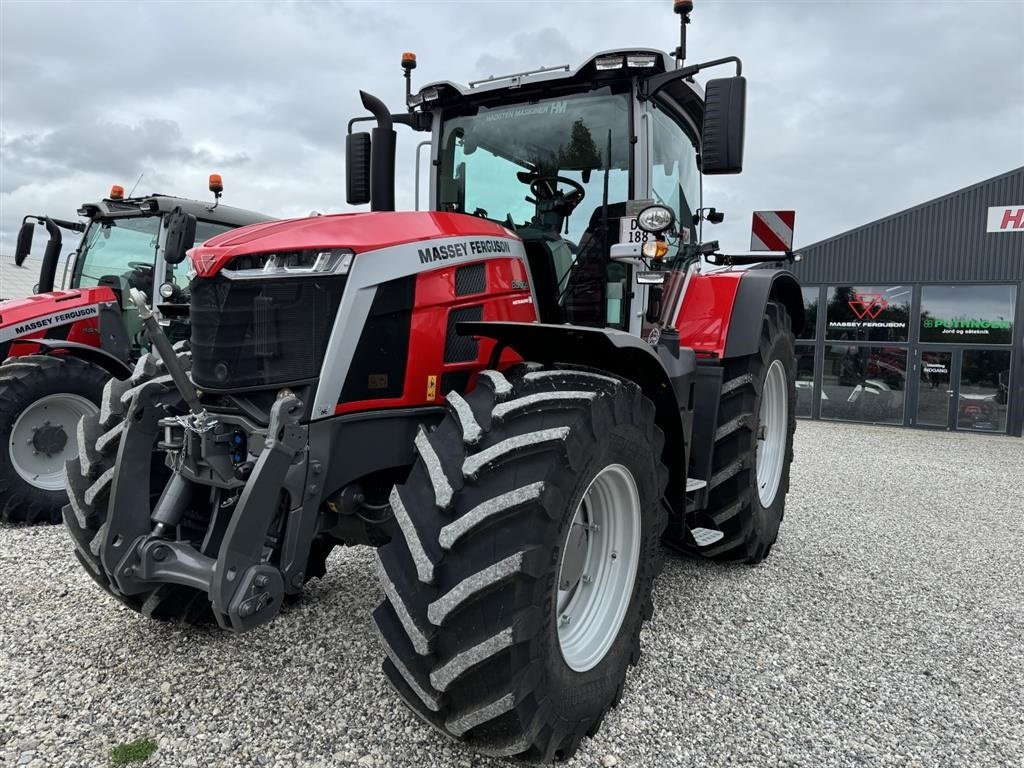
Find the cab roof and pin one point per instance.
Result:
(520, 86)
(157, 203)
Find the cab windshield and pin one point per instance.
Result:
(117, 247)
(490, 156)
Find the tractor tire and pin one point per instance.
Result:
(750, 476)
(90, 478)
(513, 607)
(42, 398)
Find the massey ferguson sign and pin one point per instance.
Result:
(1006, 218)
(868, 306)
(47, 321)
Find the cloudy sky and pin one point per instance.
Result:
(855, 109)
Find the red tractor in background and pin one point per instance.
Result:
(60, 347)
(517, 397)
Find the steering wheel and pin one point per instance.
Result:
(546, 188)
(141, 266)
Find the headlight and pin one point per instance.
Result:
(336, 261)
(655, 219)
(166, 290)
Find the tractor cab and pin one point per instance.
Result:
(568, 159)
(566, 162)
(133, 243)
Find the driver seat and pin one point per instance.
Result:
(586, 287)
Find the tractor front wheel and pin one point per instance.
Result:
(90, 477)
(531, 527)
(42, 398)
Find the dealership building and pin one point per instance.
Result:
(917, 319)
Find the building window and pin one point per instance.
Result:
(984, 390)
(810, 312)
(868, 313)
(861, 383)
(804, 380)
(967, 314)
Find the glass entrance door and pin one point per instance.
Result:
(983, 390)
(964, 389)
(935, 392)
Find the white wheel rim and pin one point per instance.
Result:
(773, 428)
(593, 604)
(44, 468)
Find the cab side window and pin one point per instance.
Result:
(675, 178)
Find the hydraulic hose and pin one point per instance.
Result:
(166, 351)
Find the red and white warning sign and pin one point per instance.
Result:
(772, 231)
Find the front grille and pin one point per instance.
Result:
(254, 333)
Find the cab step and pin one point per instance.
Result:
(705, 537)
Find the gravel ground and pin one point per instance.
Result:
(887, 629)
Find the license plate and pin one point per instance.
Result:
(630, 232)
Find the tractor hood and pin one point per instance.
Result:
(20, 317)
(358, 232)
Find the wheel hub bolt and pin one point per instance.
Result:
(615, 555)
(564, 619)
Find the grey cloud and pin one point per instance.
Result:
(546, 47)
(118, 149)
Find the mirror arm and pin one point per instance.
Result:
(649, 87)
(74, 226)
(741, 259)
(419, 121)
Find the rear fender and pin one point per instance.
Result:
(663, 377)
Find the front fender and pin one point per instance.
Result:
(666, 379)
(98, 357)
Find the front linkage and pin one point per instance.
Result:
(264, 514)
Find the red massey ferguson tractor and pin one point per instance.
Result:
(516, 397)
(61, 346)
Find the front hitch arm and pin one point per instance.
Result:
(243, 587)
(245, 591)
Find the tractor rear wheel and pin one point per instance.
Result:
(42, 397)
(531, 526)
(90, 477)
(753, 447)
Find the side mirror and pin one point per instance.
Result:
(24, 246)
(181, 235)
(725, 106)
(357, 168)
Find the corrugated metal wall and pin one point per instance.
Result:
(941, 240)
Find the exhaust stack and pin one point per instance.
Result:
(382, 155)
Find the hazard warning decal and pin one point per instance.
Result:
(772, 231)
